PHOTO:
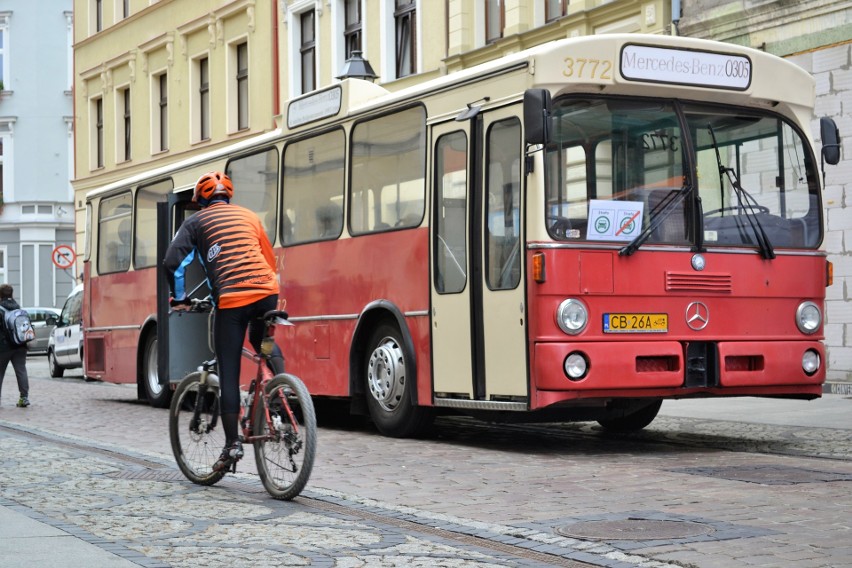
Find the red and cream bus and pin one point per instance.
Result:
(576, 231)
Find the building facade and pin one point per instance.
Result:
(158, 81)
(36, 149)
(816, 35)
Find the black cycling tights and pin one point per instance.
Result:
(229, 329)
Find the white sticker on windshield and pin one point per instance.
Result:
(614, 220)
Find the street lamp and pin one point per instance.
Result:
(356, 67)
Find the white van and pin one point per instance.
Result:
(65, 346)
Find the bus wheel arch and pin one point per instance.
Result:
(383, 372)
(158, 395)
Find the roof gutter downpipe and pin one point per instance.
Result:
(675, 17)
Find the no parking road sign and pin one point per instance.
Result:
(63, 256)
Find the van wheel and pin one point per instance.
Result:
(159, 396)
(56, 370)
(389, 386)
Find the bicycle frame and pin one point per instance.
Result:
(257, 392)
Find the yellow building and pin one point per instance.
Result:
(156, 81)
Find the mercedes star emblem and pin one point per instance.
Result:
(697, 316)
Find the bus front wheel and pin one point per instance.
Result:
(389, 386)
(634, 421)
(159, 396)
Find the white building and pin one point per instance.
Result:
(36, 148)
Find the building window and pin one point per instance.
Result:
(495, 17)
(1, 171)
(352, 26)
(4, 51)
(3, 276)
(2, 59)
(307, 49)
(406, 37)
(122, 105)
(242, 86)
(125, 8)
(36, 209)
(161, 124)
(204, 98)
(98, 139)
(99, 15)
(555, 9)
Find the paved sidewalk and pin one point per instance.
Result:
(830, 411)
(27, 542)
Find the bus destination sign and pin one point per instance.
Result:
(685, 67)
(314, 107)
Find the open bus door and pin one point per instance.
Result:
(182, 336)
(478, 300)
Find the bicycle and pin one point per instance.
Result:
(276, 416)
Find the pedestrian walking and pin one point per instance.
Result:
(11, 351)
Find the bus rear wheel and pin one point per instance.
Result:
(389, 387)
(634, 421)
(159, 396)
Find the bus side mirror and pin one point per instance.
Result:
(830, 140)
(536, 114)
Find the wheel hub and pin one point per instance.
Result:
(386, 374)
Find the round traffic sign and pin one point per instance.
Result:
(63, 256)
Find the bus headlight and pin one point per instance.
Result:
(808, 317)
(810, 362)
(576, 366)
(572, 316)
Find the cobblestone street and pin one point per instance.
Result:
(90, 461)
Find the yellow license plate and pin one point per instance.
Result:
(635, 323)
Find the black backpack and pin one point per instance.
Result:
(19, 328)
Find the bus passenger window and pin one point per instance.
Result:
(255, 179)
(114, 233)
(388, 176)
(145, 222)
(312, 202)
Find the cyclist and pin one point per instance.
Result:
(236, 254)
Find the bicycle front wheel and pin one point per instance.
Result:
(195, 428)
(285, 452)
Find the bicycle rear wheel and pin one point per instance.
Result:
(196, 443)
(285, 461)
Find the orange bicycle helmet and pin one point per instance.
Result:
(211, 185)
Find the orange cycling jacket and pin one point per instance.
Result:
(234, 250)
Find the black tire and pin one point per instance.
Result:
(159, 396)
(388, 386)
(56, 370)
(284, 462)
(196, 449)
(632, 422)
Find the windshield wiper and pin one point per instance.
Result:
(658, 214)
(745, 201)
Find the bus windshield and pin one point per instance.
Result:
(619, 169)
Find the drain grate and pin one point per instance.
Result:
(634, 529)
(766, 474)
(148, 475)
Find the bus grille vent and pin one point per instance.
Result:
(691, 282)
